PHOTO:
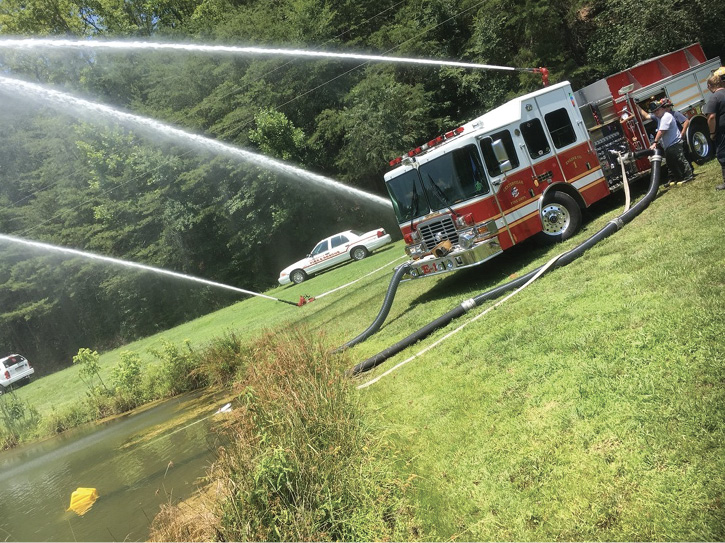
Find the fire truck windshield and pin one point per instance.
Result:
(405, 192)
(448, 179)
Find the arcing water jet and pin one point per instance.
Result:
(65, 100)
(134, 265)
(33, 43)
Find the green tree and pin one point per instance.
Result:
(381, 118)
(276, 136)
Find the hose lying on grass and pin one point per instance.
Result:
(400, 271)
(610, 228)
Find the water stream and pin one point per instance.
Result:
(128, 264)
(78, 106)
(136, 462)
(54, 43)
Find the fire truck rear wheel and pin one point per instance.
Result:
(298, 276)
(358, 253)
(561, 218)
(701, 148)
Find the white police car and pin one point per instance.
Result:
(334, 250)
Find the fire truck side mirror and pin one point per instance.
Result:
(504, 163)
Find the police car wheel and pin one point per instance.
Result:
(358, 253)
(298, 276)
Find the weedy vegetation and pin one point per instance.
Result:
(303, 463)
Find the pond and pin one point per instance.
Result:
(136, 462)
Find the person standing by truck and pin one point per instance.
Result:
(668, 135)
(683, 122)
(715, 111)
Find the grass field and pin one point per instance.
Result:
(588, 407)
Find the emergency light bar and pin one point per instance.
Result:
(426, 146)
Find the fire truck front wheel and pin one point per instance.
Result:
(561, 218)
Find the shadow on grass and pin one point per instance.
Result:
(508, 265)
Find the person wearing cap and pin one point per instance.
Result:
(683, 122)
(668, 136)
(715, 111)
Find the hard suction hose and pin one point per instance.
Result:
(400, 271)
(610, 228)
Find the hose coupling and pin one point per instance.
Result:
(305, 299)
(619, 223)
(469, 304)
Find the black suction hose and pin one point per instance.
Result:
(610, 228)
(400, 271)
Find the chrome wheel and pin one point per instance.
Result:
(358, 253)
(298, 276)
(555, 219)
(561, 218)
(700, 146)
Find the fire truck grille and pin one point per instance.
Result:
(437, 230)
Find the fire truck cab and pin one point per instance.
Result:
(529, 166)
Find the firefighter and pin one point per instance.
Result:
(715, 111)
(682, 123)
(668, 136)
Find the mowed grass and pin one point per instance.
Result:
(589, 406)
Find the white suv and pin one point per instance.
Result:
(13, 368)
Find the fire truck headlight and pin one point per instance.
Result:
(466, 239)
(415, 251)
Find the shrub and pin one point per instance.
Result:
(89, 366)
(18, 417)
(127, 382)
(224, 358)
(179, 369)
(70, 417)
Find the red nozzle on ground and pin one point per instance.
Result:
(305, 300)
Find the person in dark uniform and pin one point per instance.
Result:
(715, 111)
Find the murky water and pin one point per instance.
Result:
(136, 463)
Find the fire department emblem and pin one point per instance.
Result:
(514, 192)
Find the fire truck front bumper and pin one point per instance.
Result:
(457, 259)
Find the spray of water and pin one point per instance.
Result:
(134, 265)
(68, 101)
(33, 43)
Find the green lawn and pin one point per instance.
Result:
(588, 407)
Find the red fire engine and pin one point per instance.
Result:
(532, 164)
